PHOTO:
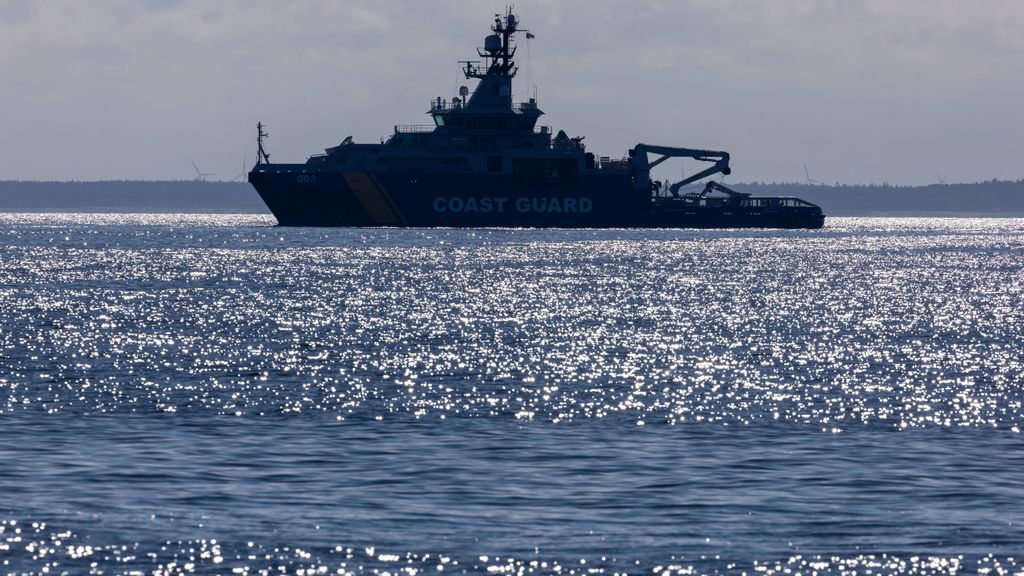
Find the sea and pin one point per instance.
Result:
(212, 394)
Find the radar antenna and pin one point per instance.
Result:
(261, 155)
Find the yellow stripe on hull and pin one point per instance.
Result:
(387, 197)
(376, 204)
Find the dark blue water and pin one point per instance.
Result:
(183, 394)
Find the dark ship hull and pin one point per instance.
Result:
(362, 199)
(484, 162)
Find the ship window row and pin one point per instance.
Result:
(425, 163)
(774, 202)
(720, 202)
(545, 166)
(486, 122)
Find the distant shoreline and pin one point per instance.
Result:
(997, 198)
(130, 196)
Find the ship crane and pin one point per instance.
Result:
(713, 186)
(643, 165)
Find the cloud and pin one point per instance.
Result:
(862, 90)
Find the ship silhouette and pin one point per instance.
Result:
(485, 162)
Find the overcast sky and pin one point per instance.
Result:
(862, 91)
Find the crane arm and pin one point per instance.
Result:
(641, 161)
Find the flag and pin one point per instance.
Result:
(530, 36)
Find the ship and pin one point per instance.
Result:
(485, 162)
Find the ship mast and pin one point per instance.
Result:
(498, 50)
(261, 155)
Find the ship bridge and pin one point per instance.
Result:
(488, 114)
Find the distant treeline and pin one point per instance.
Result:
(993, 198)
(130, 196)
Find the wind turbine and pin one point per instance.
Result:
(242, 174)
(807, 175)
(200, 176)
(942, 179)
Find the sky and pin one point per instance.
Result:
(861, 91)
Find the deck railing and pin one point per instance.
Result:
(442, 105)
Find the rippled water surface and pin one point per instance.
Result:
(212, 394)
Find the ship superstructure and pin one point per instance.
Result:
(485, 162)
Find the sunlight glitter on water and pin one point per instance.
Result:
(216, 395)
(36, 548)
(858, 325)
